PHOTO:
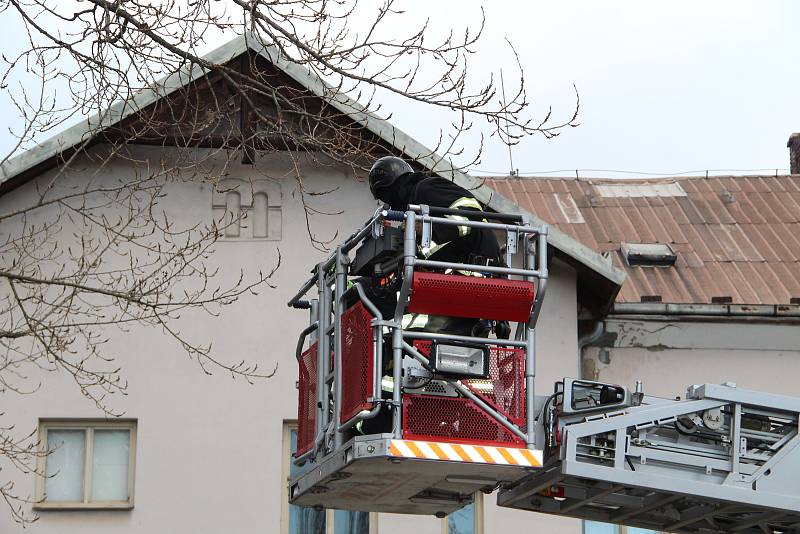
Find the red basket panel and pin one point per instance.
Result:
(504, 390)
(357, 363)
(452, 419)
(454, 295)
(307, 400)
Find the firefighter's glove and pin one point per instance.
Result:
(482, 328)
(502, 330)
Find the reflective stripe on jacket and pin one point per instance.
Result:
(460, 203)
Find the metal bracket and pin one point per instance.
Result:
(512, 236)
(385, 322)
(425, 240)
(377, 224)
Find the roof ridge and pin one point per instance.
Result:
(395, 137)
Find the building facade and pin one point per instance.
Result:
(193, 452)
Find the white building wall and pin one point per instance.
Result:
(209, 449)
(668, 355)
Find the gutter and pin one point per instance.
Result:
(714, 310)
(591, 337)
(587, 339)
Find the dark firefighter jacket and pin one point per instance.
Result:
(454, 243)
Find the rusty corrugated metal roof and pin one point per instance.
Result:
(735, 238)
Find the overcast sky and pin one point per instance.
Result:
(667, 87)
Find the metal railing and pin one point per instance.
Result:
(329, 277)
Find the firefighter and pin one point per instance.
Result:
(393, 181)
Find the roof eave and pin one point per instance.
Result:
(85, 130)
(570, 247)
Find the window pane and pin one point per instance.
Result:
(64, 471)
(295, 470)
(260, 209)
(462, 521)
(594, 527)
(634, 530)
(110, 458)
(232, 222)
(303, 519)
(347, 522)
(306, 520)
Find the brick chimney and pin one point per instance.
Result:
(794, 153)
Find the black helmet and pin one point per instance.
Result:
(386, 171)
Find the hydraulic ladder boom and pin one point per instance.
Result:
(722, 460)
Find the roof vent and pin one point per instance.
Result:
(651, 188)
(648, 254)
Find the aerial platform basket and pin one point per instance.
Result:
(454, 410)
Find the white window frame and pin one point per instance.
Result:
(288, 426)
(89, 426)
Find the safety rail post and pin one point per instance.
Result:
(530, 363)
(409, 257)
(313, 313)
(340, 285)
(322, 401)
(330, 371)
(543, 273)
(534, 250)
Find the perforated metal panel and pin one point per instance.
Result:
(307, 400)
(469, 296)
(452, 419)
(459, 419)
(357, 361)
(505, 387)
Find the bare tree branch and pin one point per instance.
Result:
(95, 250)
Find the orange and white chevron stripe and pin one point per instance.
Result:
(458, 452)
